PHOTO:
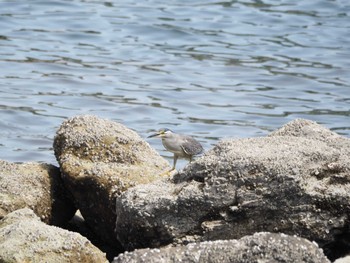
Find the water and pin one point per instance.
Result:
(213, 69)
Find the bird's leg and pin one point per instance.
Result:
(175, 160)
(190, 159)
(168, 172)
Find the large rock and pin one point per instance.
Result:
(261, 247)
(99, 160)
(37, 186)
(24, 238)
(295, 181)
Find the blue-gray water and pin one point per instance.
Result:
(213, 69)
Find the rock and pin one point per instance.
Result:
(287, 182)
(343, 260)
(260, 247)
(24, 238)
(99, 160)
(77, 224)
(307, 129)
(37, 186)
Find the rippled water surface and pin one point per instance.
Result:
(213, 69)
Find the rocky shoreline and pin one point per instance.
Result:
(280, 198)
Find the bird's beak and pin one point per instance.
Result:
(154, 135)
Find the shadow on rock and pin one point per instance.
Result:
(37, 186)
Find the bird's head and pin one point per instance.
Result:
(161, 133)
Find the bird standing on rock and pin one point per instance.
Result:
(183, 146)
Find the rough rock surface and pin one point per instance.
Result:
(99, 160)
(24, 238)
(261, 247)
(37, 186)
(295, 181)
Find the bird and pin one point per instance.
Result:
(182, 146)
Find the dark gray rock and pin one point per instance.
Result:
(24, 238)
(100, 159)
(260, 247)
(37, 186)
(295, 181)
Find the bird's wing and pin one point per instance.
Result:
(191, 146)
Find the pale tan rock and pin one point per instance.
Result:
(345, 259)
(99, 160)
(24, 238)
(37, 186)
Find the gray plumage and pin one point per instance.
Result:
(183, 146)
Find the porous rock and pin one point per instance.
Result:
(287, 182)
(100, 159)
(24, 238)
(260, 247)
(37, 186)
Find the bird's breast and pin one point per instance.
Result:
(173, 146)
